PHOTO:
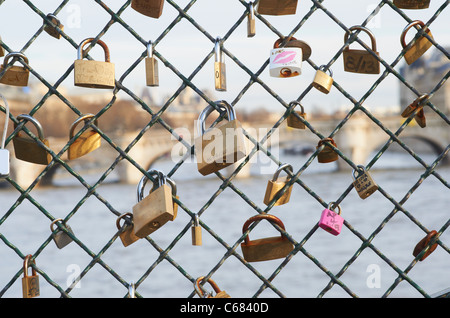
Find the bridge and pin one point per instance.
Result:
(357, 139)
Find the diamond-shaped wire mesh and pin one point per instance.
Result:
(372, 257)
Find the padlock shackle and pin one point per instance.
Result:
(251, 9)
(271, 218)
(126, 214)
(54, 222)
(218, 56)
(277, 43)
(5, 127)
(51, 16)
(366, 30)
(409, 26)
(209, 109)
(150, 49)
(25, 266)
(297, 103)
(281, 168)
(322, 141)
(361, 167)
(34, 121)
(80, 52)
(198, 289)
(332, 204)
(322, 68)
(19, 55)
(80, 119)
(141, 185)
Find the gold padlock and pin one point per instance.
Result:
(26, 148)
(276, 184)
(419, 46)
(202, 294)
(15, 75)
(149, 8)
(51, 30)
(265, 249)
(196, 231)
(363, 182)
(292, 120)
(151, 67)
(94, 74)
(126, 235)
(61, 238)
(361, 61)
(30, 284)
(412, 4)
(154, 210)
(327, 154)
(277, 7)
(2, 50)
(322, 81)
(251, 22)
(220, 146)
(220, 76)
(87, 142)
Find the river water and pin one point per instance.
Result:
(368, 276)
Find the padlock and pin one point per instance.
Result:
(412, 4)
(420, 118)
(166, 180)
(30, 284)
(26, 148)
(220, 146)
(277, 7)
(196, 231)
(361, 61)
(15, 75)
(87, 142)
(61, 238)
(417, 104)
(423, 244)
(363, 182)
(202, 294)
(220, 76)
(149, 8)
(331, 221)
(151, 67)
(322, 81)
(286, 61)
(420, 44)
(126, 235)
(154, 210)
(4, 153)
(292, 120)
(51, 30)
(251, 22)
(327, 154)
(2, 50)
(265, 249)
(276, 184)
(94, 74)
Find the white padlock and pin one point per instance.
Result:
(4, 153)
(287, 61)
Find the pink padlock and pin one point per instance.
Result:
(331, 221)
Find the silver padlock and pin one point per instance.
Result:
(61, 238)
(4, 153)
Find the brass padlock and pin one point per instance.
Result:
(361, 61)
(94, 74)
(327, 154)
(420, 118)
(412, 4)
(149, 8)
(220, 146)
(220, 76)
(26, 148)
(363, 182)
(322, 81)
(4, 153)
(2, 50)
(50, 29)
(173, 185)
(154, 210)
(15, 75)
(292, 120)
(251, 22)
(423, 244)
(276, 184)
(126, 235)
(196, 231)
(87, 142)
(420, 44)
(417, 108)
(151, 67)
(265, 249)
(202, 294)
(277, 7)
(30, 284)
(61, 238)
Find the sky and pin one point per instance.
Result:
(185, 46)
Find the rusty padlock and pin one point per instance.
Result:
(15, 75)
(30, 284)
(292, 120)
(331, 221)
(419, 46)
(363, 182)
(61, 238)
(412, 4)
(417, 106)
(361, 61)
(423, 244)
(94, 74)
(151, 67)
(50, 29)
(276, 184)
(327, 154)
(4, 153)
(149, 8)
(87, 142)
(126, 235)
(26, 148)
(202, 294)
(220, 75)
(196, 231)
(286, 60)
(251, 22)
(323, 81)
(265, 249)
(221, 146)
(277, 7)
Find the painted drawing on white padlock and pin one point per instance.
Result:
(285, 62)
